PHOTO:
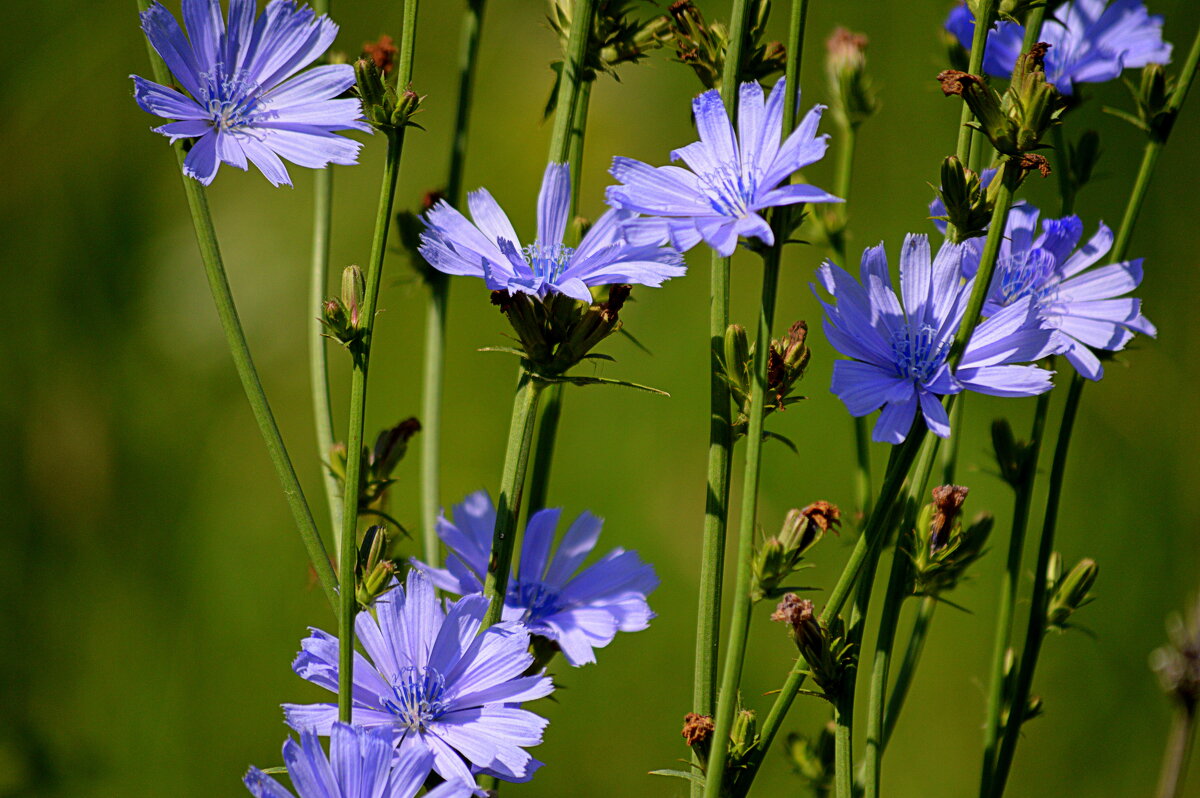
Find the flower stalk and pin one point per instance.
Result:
(239, 349)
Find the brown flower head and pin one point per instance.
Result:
(947, 506)
(824, 515)
(697, 729)
(382, 52)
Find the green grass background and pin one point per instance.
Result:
(153, 592)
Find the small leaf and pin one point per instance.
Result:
(775, 436)
(1128, 117)
(635, 341)
(679, 774)
(508, 350)
(602, 381)
(598, 356)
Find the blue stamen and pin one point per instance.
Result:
(416, 699)
(918, 355)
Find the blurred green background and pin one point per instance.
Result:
(153, 591)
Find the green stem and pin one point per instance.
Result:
(984, 18)
(348, 559)
(908, 668)
(1006, 604)
(1035, 631)
(573, 75)
(1177, 753)
(361, 351)
(720, 438)
(890, 616)
(1066, 190)
(508, 503)
(843, 745)
(735, 650)
(439, 298)
(235, 337)
(950, 449)
(318, 365)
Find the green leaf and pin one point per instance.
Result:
(601, 381)
(679, 774)
(598, 356)
(275, 771)
(1128, 117)
(775, 436)
(635, 341)
(508, 350)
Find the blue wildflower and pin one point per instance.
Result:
(361, 764)
(245, 106)
(437, 683)
(1090, 41)
(901, 350)
(1086, 307)
(731, 178)
(578, 610)
(490, 248)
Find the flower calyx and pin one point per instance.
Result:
(942, 547)
(968, 205)
(1068, 593)
(378, 463)
(779, 556)
(852, 98)
(385, 108)
(787, 362)
(702, 45)
(830, 656)
(341, 315)
(376, 567)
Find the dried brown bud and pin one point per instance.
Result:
(502, 300)
(1038, 54)
(382, 52)
(1030, 161)
(847, 49)
(775, 375)
(954, 81)
(793, 611)
(697, 729)
(431, 198)
(617, 295)
(947, 506)
(824, 515)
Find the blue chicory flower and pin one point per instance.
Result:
(490, 248)
(732, 177)
(1090, 41)
(579, 610)
(1086, 307)
(362, 763)
(245, 106)
(901, 350)
(435, 682)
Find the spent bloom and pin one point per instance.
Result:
(490, 248)
(361, 764)
(901, 345)
(1085, 306)
(1091, 41)
(434, 682)
(244, 102)
(578, 610)
(730, 178)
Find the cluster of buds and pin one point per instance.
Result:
(1151, 97)
(786, 364)
(1068, 593)
(779, 556)
(557, 332)
(1017, 122)
(702, 45)
(852, 99)
(942, 548)
(385, 108)
(378, 463)
(1178, 663)
(743, 746)
(968, 204)
(812, 760)
(341, 314)
(823, 645)
(616, 37)
(376, 566)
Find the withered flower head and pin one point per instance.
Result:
(793, 611)
(697, 729)
(382, 52)
(947, 506)
(824, 515)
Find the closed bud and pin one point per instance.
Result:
(1069, 593)
(780, 556)
(375, 570)
(986, 105)
(336, 319)
(371, 87)
(853, 99)
(786, 364)
(1033, 103)
(1151, 97)
(943, 549)
(830, 657)
(390, 447)
(737, 362)
(408, 104)
(353, 289)
(968, 206)
(743, 737)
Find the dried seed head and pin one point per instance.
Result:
(824, 515)
(697, 729)
(947, 506)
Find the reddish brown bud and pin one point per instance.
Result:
(947, 506)
(382, 52)
(697, 729)
(824, 515)
(1030, 161)
(955, 81)
(1038, 54)
(793, 611)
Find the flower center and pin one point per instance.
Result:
(917, 354)
(548, 261)
(1025, 274)
(538, 599)
(231, 100)
(416, 698)
(729, 192)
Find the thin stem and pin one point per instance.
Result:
(983, 23)
(1177, 753)
(950, 448)
(361, 351)
(439, 296)
(908, 667)
(890, 616)
(1006, 604)
(843, 747)
(735, 650)
(573, 68)
(720, 436)
(348, 559)
(235, 337)
(1035, 631)
(318, 365)
(512, 482)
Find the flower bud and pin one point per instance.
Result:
(942, 549)
(375, 569)
(353, 288)
(779, 557)
(947, 506)
(697, 733)
(702, 45)
(1178, 663)
(830, 657)
(737, 363)
(336, 319)
(1032, 103)
(407, 106)
(968, 206)
(853, 100)
(1069, 593)
(786, 364)
(743, 737)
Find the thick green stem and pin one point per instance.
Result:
(984, 18)
(843, 745)
(1177, 753)
(720, 437)
(235, 337)
(735, 650)
(439, 296)
(890, 616)
(1035, 631)
(1006, 603)
(908, 668)
(348, 559)
(508, 503)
